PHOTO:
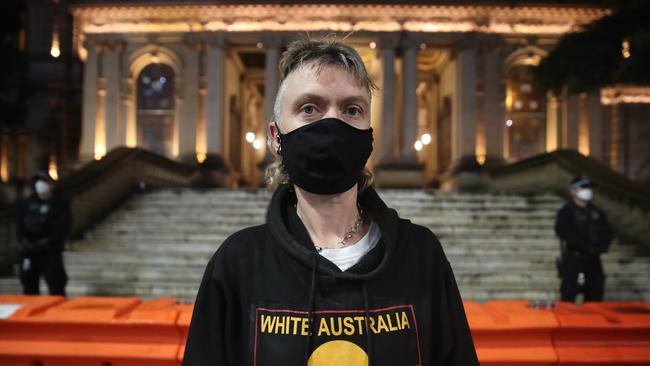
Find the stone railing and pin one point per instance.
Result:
(626, 203)
(100, 186)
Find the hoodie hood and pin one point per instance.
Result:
(392, 228)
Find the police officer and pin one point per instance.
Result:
(585, 234)
(43, 221)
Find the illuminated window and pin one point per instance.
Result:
(156, 108)
(525, 114)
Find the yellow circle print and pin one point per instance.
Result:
(340, 353)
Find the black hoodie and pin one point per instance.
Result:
(268, 298)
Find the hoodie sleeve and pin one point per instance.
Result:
(460, 346)
(206, 340)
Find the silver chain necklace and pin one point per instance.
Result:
(354, 230)
(351, 233)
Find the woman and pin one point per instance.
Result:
(334, 276)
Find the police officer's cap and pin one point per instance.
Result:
(42, 176)
(581, 182)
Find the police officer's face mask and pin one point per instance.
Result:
(326, 156)
(585, 194)
(42, 188)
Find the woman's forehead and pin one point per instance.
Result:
(329, 79)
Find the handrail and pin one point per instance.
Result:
(626, 203)
(99, 186)
(607, 179)
(92, 173)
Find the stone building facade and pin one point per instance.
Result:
(192, 80)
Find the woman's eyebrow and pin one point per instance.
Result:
(355, 99)
(308, 98)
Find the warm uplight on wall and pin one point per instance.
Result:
(250, 137)
(418, 145)
(200, 157)
(55, 51)
(480, 159)
(509, 99)
(100, 151)
(426, 139)
(625, 49)
(4, 159)
(257, 144)
(625, 95)
(52, 168)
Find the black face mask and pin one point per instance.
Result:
(326, 156)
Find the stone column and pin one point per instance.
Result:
(189, 113)
(399, 167)
(615, 139)
(111, 73)
(494, 104)
(129, 112)
(410, 47)
(89, 106)
(553, 122)
(271, 75)
(463, 115)
(595, 118)
(214, 98)
(271, 83)
(388, 43)
(432, 150)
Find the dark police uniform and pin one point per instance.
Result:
(585, 234)
(42, 226)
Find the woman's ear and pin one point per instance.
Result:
(274, 134)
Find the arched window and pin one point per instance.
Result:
(156, 108)
(525, 111)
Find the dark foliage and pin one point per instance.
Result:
(593, 58)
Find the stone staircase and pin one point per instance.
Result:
(500, 246)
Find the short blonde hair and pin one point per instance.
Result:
(319, 54)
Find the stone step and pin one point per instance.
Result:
(480, 248)
(405, 196)
(459, 257)
(191, 275)
(434, 203)
(211, 219)
(75, 288)
(469, 230)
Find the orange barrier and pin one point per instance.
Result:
(108, 331)
(511, 333)
(603, 334)
(184, 319)
(17, 331)
(98, 331)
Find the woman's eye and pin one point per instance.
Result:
(354, 111)
(308, 109)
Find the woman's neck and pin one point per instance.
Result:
(328, 218)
